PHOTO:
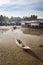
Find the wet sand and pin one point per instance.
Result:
(11, 54)
(32, 31)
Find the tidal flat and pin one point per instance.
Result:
(12, 54)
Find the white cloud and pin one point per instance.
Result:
(19, 2)
(22, 13)
(3, 2)
(24, 2)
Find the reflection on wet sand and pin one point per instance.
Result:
(11, 54)
(29, 51)
(33, 31)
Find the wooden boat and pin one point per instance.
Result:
(21, 45)
(41, 45)
(14, 27)
(27, 49)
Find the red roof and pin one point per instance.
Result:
(28, 19)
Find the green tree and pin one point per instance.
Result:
(34, 16)
(1, 18)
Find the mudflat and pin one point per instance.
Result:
(12, 54)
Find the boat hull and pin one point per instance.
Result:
(21, 45)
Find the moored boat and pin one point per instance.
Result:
(14, 27)
(27, 49)
(21, 45)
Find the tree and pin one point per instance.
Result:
(1, 18)
(34, 16)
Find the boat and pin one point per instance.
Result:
(21, 45)
(27, 49)
(14, 27)
(41, 45)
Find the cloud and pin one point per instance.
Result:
(25, 2)
(4, 2)
(19, 2)
(22, 13)
(21, 7)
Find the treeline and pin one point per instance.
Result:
(3, 18)
(7, 19)
(17, 19)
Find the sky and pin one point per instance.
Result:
(20, 8)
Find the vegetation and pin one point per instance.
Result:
(16, 19)
(3, 18)
(34, 16)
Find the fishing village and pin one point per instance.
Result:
(21, 40)
(21, 32)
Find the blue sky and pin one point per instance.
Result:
(21, 8)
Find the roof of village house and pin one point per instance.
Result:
(34, 21)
